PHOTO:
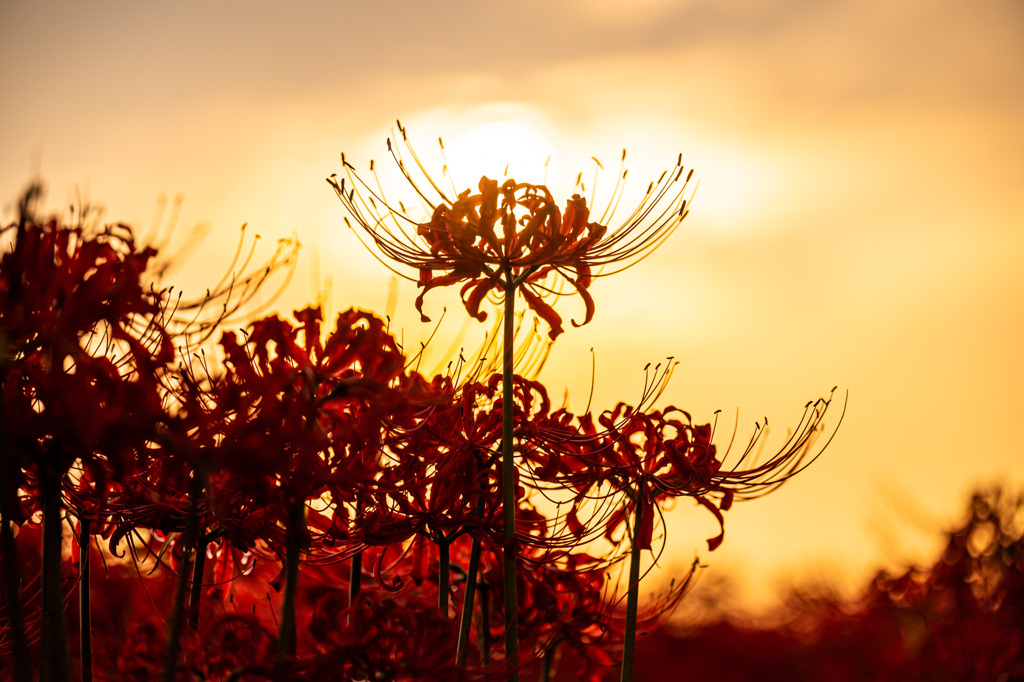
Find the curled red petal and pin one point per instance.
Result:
(396, 585)
(546, 312)
(715, 542)
(615, 519)
(430, 282)
(477, 291)
(588, 301)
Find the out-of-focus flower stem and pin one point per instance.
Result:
(462, 648)
(8, 549)
(355, 574)
(195, 489)
(355, 578)
(629, 637)
(547, 669)
(443, 575)
(293, 542)
(84, 597)
(54, 659)
(508, 487)
(485, 624)
(468, 603)
(196, 594)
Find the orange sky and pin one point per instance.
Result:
(858, 222)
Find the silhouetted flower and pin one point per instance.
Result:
(295, 415)
(512, 236)
(662, 454)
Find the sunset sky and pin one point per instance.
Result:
(859, 219)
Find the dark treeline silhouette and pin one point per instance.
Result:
(960, 619)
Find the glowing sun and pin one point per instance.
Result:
(499, 148)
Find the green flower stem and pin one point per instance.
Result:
(355, 578)
(547, 670)
(178, 608)
(54, 659)
(485, 624)
(12, 591)
(629, 642)
(196, 595)
(508, 490)
(84, 607)
(462, 648)
(19, 650)
(443, 575)
(355, 574)
(293, 542)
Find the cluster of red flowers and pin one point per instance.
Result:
(296, 505)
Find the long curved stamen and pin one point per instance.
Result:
(516, 227)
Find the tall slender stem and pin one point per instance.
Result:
(443, 575)
(462, 648)
(12, 583)
(178, 608)
(198, 574)
(10, 471)
(84, 606)
(355, 574)
(54, 659)
(547, 669)
(355, 577)
(466, 622)
(485, 624)
(508, 490)
(629, 642)
(293, 542)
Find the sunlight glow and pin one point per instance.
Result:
(737, 183)
(497, 140)
(501, 148)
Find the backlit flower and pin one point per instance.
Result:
(511, 236)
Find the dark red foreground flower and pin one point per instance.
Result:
(82, 353)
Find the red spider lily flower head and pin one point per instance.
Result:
(662, 454)
(511, 236)
(565, 601)
(83, 348)
(294, 415)
(77, 289)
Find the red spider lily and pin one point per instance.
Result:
(296, 414)
(569, 605)
(434, 473)
(646, 456)
(660, 453)
(297, 417)
(633, 462)
(565, 603)
(82, 346)
(81, 351)
(539, 251)
(438, 478)
(512, 237)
